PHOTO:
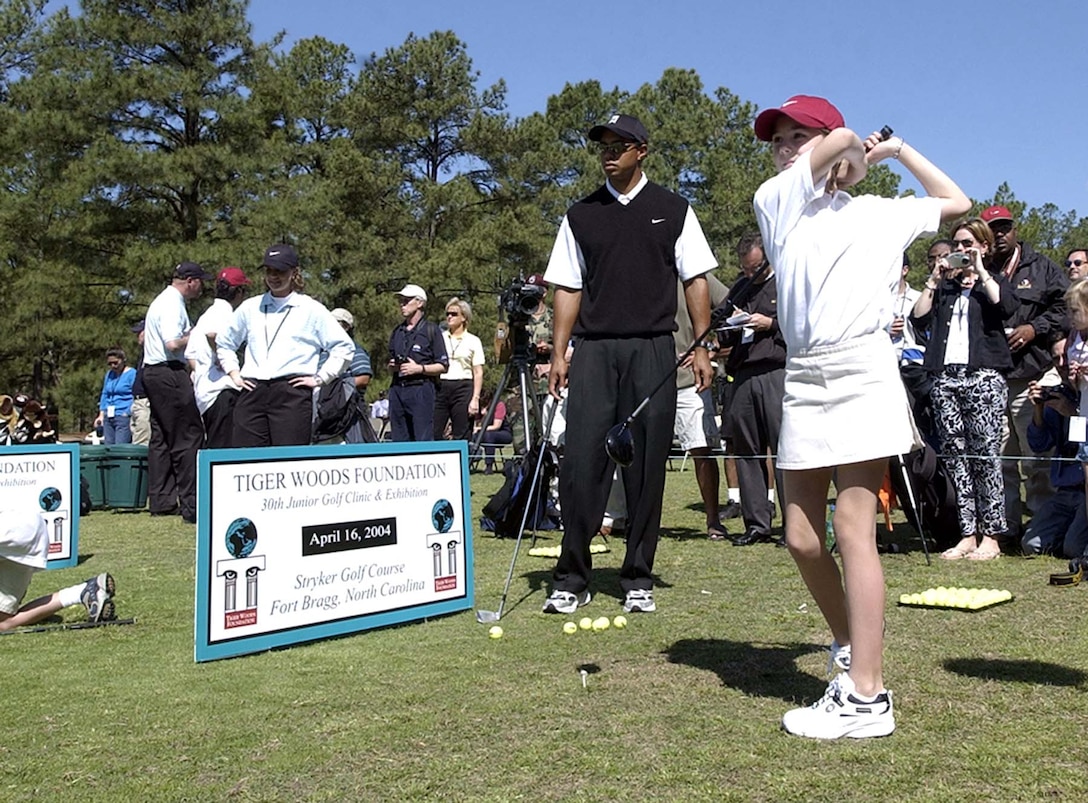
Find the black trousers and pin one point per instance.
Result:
(219, 420)
(451, 405)
(411, 411)
(177, 434)
(274, 414)
(607, 381)
(756, 412)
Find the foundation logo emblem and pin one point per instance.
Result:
(442, 515)
(50, 499)
(240, 540)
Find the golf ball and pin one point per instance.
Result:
(619, 621)
(601, 623)
(495, 632)
(585, 623)
(570, 628)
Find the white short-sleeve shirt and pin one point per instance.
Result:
(209, 378)
(837, 259)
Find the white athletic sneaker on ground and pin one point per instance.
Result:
(639, 601)
(565, 602)
(96, 593)
(839, 658)
(842, 712)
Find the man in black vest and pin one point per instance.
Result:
(614, 268)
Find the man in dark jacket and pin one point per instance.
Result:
(757, 363)
(1040, 285)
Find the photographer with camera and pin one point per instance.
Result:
(1060, 526)
(417, 357)
(964, 307)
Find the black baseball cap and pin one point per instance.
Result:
(191, 270)
(622, 125)
(280, 257)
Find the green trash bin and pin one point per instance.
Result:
(90, 466)
(125, 470)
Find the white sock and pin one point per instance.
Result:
(734, 495)
(770, 494)
(70, 596)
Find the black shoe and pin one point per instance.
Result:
(171, 512)
(751, 536)
(730, 511)
(779, 541)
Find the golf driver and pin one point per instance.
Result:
(619, 443)
(489, 617)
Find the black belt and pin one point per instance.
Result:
(173, 365)
(404, 383)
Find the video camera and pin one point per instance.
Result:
(520, 300)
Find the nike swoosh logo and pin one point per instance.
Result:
(273, 253)
(657, 220)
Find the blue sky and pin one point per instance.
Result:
(995, 92)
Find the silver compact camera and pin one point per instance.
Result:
(958, 259)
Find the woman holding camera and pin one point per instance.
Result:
(964, 308)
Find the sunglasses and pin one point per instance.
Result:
(614, 148)
(1074, 263)
(452, 314)
(963, 243)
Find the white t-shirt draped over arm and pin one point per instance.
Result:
(836, 258)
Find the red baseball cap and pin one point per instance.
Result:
(809, 111)
(234, 277)
(992, 213)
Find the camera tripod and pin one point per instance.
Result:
(522, 361)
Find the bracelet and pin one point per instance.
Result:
(931, 287)
(902, 142)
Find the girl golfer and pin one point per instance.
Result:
(845, 412)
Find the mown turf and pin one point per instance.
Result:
(682, 705)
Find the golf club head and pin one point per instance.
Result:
(487, 617)
(620, 445)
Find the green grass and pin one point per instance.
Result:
(682, 705)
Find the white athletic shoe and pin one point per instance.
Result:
(841, 712)
(565, 602)
(839, 658)
(639, 600)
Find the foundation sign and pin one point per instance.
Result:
(306, 542)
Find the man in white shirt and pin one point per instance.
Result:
(177, 433)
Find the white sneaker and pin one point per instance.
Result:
(565, 602)
(841, 712)
(839, 658)
(639, 601)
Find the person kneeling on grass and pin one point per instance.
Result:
(845, 411)
(24, 543)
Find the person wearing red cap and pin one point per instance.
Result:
(614, 268)
(845, 410)
(1036, 325)
(213, 388)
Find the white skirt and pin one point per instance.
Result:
(844, 404)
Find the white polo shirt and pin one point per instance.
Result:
(166, 320)
(567, 265)
(837, 259)
(208, 378)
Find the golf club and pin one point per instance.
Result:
(489, 617)
(619, 443)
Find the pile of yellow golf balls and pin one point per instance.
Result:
(553, 551)
(597, 625)
(968, 599)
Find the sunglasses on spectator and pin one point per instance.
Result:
(1071, 263)
(113, 363)
(963, 243)
(452, 313)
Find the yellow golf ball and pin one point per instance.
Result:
(585, 623)
(495, 632)
(601, 623)
(619, 621)
(570, 628)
